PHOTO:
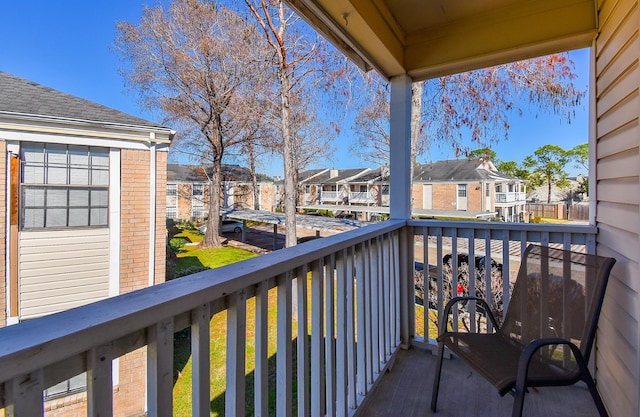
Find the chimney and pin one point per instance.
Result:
(333, 173)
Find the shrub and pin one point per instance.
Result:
(190, 270)
(178, 243)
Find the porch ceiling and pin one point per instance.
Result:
(431, 38)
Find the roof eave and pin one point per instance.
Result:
(21, 122)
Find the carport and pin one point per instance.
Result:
(332, 224)
(317, 223)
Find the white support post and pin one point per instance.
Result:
(201, 358)
(160, 368)
(24, 395)
(236, 346)
(99, 381)
(400, 161)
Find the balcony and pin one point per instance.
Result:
(510, 197)
(330, 196)
(361, 197)
(357, 287)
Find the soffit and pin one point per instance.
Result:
(430, 38)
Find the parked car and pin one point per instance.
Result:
(226, 226)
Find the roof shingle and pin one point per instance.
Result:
(21, 96)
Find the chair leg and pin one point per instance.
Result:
(518, 396)
(436, 380)
(586, 377)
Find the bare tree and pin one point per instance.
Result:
(192, 61)
(295, 53)
(469, 109)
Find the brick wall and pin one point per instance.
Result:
(129, 398)
(444, 195)
(184, 201)
(475, 195)
(134, 243)
(417, 196)
(161, 216)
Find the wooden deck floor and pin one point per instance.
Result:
(405, 391)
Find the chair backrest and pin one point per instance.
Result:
(557, 293)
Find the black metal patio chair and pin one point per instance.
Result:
(548, 331)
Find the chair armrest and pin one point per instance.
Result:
(537, 344)
(442, 328)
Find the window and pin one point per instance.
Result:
(487, 191)
(64, 186)
(73, 385)
(462, 190)
(197, 201)
(385, 189)
(172, 201)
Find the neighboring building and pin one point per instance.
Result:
(188, 191)
(309, 188)
(334, 184)
(468, 185)
(370, 188)
(83, 192)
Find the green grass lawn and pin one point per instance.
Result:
(192, 257)
(182, 386)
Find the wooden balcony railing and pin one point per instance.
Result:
(330, 196)
(511, 197)
(362, 197)
(353, 309)
(356, 287)
(482, 247)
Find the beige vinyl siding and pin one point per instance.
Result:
(618, 213)
(62, 269)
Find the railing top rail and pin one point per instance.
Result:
(37, 343)
(528, 227)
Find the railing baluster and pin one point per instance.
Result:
(361, 336)
(201, 359)
(342, 363)
(236, 344)
(261, 373)
(317, 340)
(329, 324)
(375, 310)
(506, 273)
(284, 367)
(439, 280)
(99, 381)
(24, 395)
(352, 364)
(380, 291)
(454, 273)
(425, 283)
(303, 343)
(160, 368)
(488, 288)
(368, 314)
(386, 292)
(395, 289)
(471, 263)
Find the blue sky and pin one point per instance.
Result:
(68, 45)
